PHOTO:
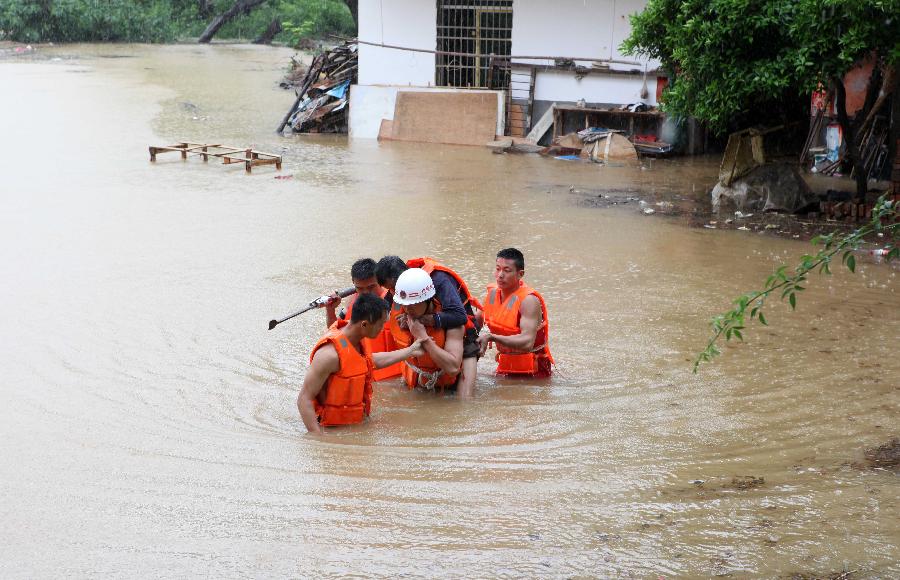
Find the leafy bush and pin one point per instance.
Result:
(87, 20)
(315, 19)
(162, 20)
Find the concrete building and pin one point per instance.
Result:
(436, 61)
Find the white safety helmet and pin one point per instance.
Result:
(413, 286)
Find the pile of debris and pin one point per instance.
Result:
(324, 95)
(595, 143)
(829, 158)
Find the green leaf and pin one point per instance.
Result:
(762, 319)
(851, 263)
(738, 334)
(793, 300)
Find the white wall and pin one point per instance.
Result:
(581, 28)
(410, 23)
(370, 104)
(575, 28)
(593, 88)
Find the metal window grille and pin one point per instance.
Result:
(482, 29)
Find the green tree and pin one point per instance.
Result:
(729, 56)
(168, 20)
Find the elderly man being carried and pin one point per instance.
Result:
(439, 365)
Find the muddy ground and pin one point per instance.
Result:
(695, 211)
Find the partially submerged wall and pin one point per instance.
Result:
(372, 104)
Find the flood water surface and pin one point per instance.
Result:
(149, 420)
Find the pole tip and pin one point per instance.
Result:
(273, 324)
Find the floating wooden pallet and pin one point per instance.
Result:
(226, 153)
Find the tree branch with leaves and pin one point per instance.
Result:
(732, 323)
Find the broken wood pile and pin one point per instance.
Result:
(873, 147)
(324, 95)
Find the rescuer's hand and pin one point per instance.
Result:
(417, 329)
(417, 348)
(483, 340)
(403, 321)
(333, 302)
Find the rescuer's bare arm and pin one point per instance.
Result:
(324, 363)
(529, 322)
(386, 359)
(331, 309)
(448, 358)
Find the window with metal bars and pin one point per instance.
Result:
(480, 33)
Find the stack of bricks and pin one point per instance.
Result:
(847, 211)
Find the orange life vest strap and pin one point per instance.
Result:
(423, 365)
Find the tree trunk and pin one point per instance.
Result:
(888, 81)
(269, 33)
(204, 8)
(353, 5)
(840, 103)
(239, 7)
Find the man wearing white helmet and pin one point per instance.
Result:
(457, 308)
(440, 364)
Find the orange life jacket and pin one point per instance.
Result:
(384, 342)
(430, 265)
(347, 396)
(502, 318)
(412, 366)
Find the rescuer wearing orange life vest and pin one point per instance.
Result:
(337, 389)
(516, 318)
(457, 308)
(362, 273)
(439, 364)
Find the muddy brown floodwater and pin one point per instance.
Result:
(149, 425)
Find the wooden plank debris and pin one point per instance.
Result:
(228, 154)
(542, 125)
(321, 104)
